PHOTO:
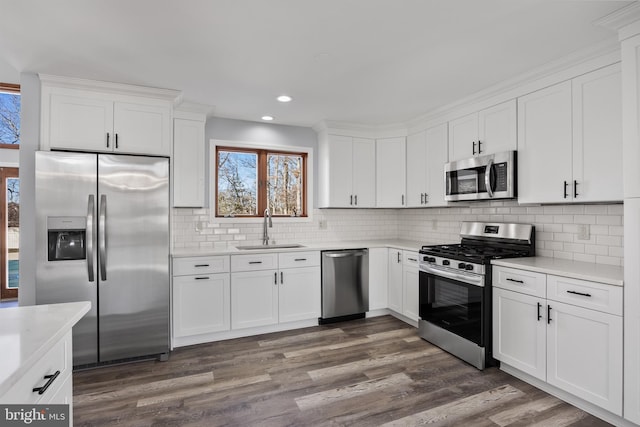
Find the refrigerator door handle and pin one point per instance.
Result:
(90, 210)
(102, 237)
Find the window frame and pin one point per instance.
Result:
(252, 147)
(10, 88)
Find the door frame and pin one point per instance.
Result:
(5, 292)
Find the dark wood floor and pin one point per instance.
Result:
(364, 373)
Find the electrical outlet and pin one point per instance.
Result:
(583, 232)
(434, 224)
(322, 224)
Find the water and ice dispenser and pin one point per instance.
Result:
(66, 238)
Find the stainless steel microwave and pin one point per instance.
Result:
(492, 176)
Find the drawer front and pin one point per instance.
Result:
(526, 282)
(254, 262)
(200, 265)
(298, 259)
(582, 293)
(56, 359)
(410, 258)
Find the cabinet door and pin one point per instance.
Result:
(378, 278)
(585, 354)
(254, 299)
(201, 304)
(364, 172)
(338, 167)
(597, 135)
(519, 331)
(80, 123)
(416, 169)
(410, 298)
(497, 128)
(544, 145)
(395, 280)
(437, 156)
(299, 294)
(142, 128)
(188, 163)
(390, 172)
(463, 133)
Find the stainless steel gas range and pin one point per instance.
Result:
(455, 287)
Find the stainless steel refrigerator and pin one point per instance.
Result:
(102, 235)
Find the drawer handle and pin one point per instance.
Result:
(201, 278)
(300, 259)
(202, 265)
(413, 259)
(579, 293)
(514, 280)
(255, 262)
(51, 379)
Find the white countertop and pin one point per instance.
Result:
(27, 333)
(609, 274)
(408, 245)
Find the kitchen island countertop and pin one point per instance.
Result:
(27, 333)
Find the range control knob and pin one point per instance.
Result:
(469, 267)
(462, 265)
(429, 259)
(446, 262)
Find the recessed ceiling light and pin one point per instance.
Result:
(267, 118)
(284, 98)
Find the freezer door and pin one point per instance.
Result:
(133, 261)
(65, 217)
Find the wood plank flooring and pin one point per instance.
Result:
(368, 372)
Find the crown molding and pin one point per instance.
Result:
(193, 108)
(359, 130)
(624, 21)
(120, 88)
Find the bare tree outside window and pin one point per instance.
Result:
(9, 118)
(252, 180)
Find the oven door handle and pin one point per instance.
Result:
(476, 280)
(487, 178)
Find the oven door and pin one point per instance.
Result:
(453, 301)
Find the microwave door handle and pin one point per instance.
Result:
(487, 178)
(89, 237)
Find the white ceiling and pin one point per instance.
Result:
(370, 62)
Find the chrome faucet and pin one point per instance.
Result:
(265, 233)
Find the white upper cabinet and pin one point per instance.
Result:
(416, 169)
(488, 131)
(597, 135)
(426, 155)
(104, 117)
(390, 172)
(188, 160)
(436, 158)
(544, 145)
(570, 140)
(347, 172)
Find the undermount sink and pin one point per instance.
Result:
(282, 246)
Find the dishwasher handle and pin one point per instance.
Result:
(344, 254)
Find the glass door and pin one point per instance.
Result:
(9, 233)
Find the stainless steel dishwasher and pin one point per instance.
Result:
(345, 285)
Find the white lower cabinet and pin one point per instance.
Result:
(201, 296)
(378, 278)
(52, 373)
(263, 297)
(403, 283)
(559, 337)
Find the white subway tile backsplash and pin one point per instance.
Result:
(556, 227)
